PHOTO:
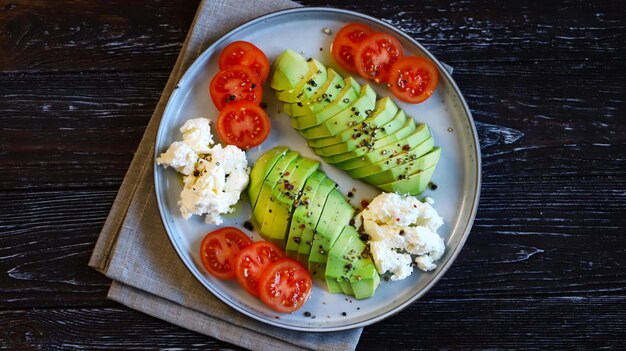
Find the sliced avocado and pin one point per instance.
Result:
(302, 215)
(285, 194)
(377, 155)
(261, 169)
(315, 209)
(349, 117)
(337, 214)
(412, 185)
(405, 169)
(405, 154)
(345, 98)
(289, 69)
(326, 94)
(364, 279)
(315, 77)
(366, 131)
(274, 177)
(341, 258)
(274, 204)
(372, 142)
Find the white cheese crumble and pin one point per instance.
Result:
(401, 226)
(214, 176)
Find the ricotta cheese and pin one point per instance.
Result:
(215, 176)
(401, 226)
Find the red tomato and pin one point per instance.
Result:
(375, 55)
(235, 83)
(219, 249)
(413, 79)
(285, 285)
(246, 54)
(252, 261)
(346, 42)
(243, 124)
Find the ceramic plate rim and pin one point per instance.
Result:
(216, 291)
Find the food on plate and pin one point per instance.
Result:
(243, 124)
(373, 140)
(413, 79)
(214, 176)
(346, 42)
(252, 260)
(379, 58)
(219, 250)
(246, 54)
(399, 227)
(375, 55)
(285, 285)
(235, 83)
(300, 209)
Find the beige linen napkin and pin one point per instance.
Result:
(133, 248)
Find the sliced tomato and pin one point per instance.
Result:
(235, 83)
(285, 285)
(413, 79)
(375, 56)
(246, 54)
(243, 124)
(252, 261)
(220, 248)
(346, 42)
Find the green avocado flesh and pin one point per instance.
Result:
(373, 140)
(349, 117)
(302, 217)
(348, 94)
(266, 162)
(325, 95)
(305, 88)
(301, 210)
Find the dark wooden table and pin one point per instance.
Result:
(544, 266)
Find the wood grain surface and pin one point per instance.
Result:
(544, 266)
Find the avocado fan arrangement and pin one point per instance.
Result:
(298, 207)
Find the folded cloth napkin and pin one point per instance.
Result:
(133, 248)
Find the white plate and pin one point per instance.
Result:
(457, 174)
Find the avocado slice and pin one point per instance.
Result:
(336, 214)
(412, 185)
(364, 279)
(367, 131)
(377, 155)
(289, 69)
(261, 169)
(341, 258)
(349, 117)
(303, 215)
(285, 194)
(346, 96)
(326, 94)
(406, 169)
(274, 177)
(400, 156)
(316, 208)
(372, 142)
(315, 77)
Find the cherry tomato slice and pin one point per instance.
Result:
(246, 54)
(413, 79)
(375, 55)
(235, 83)
(252, 261)
(219, 249)
(243, 124)
(345, 44)
(285, 285)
